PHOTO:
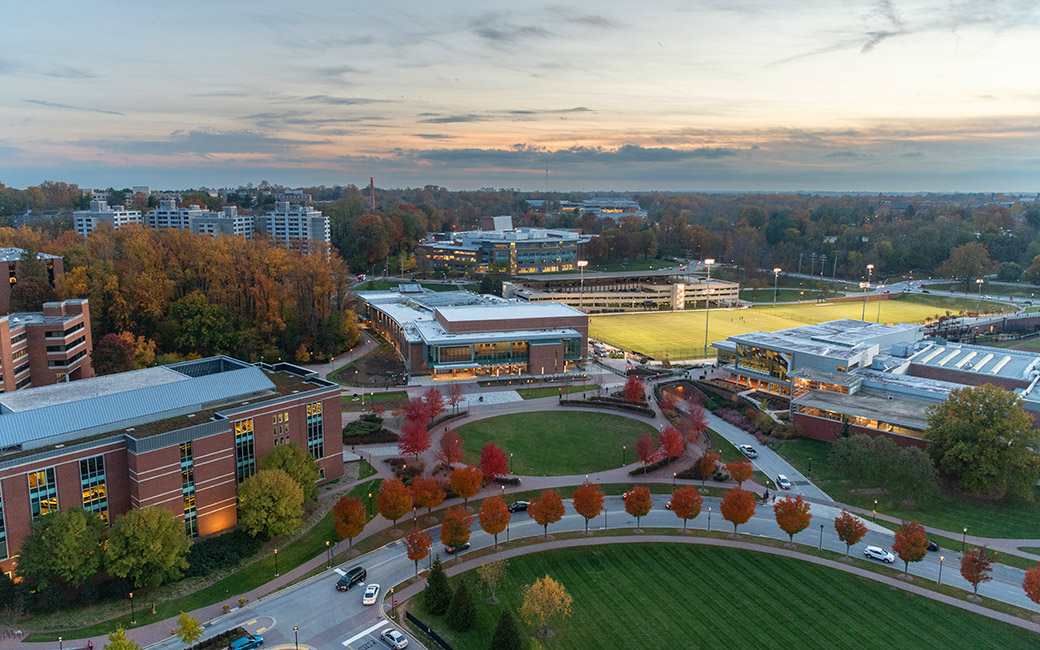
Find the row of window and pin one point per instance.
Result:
(68, 346)
(64, 333)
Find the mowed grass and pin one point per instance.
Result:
(553, 391)
(680, 335)
(554, 443)
(690, 597)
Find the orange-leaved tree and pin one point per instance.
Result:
(493, 461)
(450, 451)
(672, 442)
(850, 529)
(350, 517)
(394, 499)
(494, 516)
(466, 481)
(1031, 584)
(588, 502)
(694, 420)
(427, 493)
(417, 544)
(976, 567)
(455, 527)
(638, 504)
(415, 438)
(911, 544)
(633, 390)
(792, 515)
(737, 506)
(546, 509)
(645, 448)
(706, 465)
(686, 503)
(434, 402)
(739, 470)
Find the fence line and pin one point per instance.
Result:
(429, 631)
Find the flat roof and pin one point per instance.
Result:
(843, 338)
(507, 312)
(896, 409)
(826, 377)
(980, 360)
(16, 254)
(34, 398)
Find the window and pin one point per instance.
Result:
(43, 493)
(245, 454)
(3, 532)
(191, 519)
(95, 492)
(315, 430)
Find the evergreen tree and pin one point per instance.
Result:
(462, 613)
(437, 595)
(506, 637)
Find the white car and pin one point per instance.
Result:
(748, 451)
(782, 482)
(878, 553)
(393, 638)
(371, 594)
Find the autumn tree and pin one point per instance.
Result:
(634, 389)
(493, 461)
(694, 420)
(706, 465)
(739, 470)
(1031, 584)
(850, 529)
(911, 544)
(686, 503)
(455, 397)
(466, 481)
(976, 566)
(417, 546)
(427, 493)
(645, 448)
(967, 262)
(672, 443)
(415, 409)
(112, 354)
(298, 464)
(270, 503)
(188, 629)
(394, 499)
(638, 504)
(450, 451)
(792, 515)
(588, 502)
(147, 546)
(350, 517)
(490, 574)
(546, 509)
(434, 402)
(118, 641)
(437, 594)
(30, 294)
(494, 516)
(64, 550)
(415, 438)
(738, 505)
(455, 528)
(542, 601)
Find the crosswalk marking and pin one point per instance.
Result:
(340, 571)
(358, 636)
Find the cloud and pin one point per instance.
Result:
(576, 109)
(500, 33)
(69, 72)
(435, 136)
(204, 142)
(40, 102)
(523, 156)
(341, 101)
(451, 119)
(842, 154)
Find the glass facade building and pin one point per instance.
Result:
(95, 491)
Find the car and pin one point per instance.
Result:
(452, 550)
(353, 576)
(925, 291)
(393, 638)
(782, 482)
(371, 594)
(748, 451)
(878, 553)
(933, 545)
(624, 495)
(247, 642)
(519, 506)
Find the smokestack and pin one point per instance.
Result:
(372, 194)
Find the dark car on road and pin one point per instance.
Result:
(352, 577)
(247, 642)
(452, 550)
(933, 545)
(519, 506)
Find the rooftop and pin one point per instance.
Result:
(512, 311)
(979, 360)
(43, 396)
(16, 254)
(896, 409)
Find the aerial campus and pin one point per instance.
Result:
(555, 327)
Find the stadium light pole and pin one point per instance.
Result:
(707, 303)
(870, 271)
(776, 282)
(978, 305)
(880, 287)
(581, 295)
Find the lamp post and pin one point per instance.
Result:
(393, 604)
(624, 451)
(870, 272)
(581, 295)
(880, 287)
(941, 560)
(604, 517)
(776, 283)
(978, 305)
(875, 511)
(707, 303)
(367, 504)
(821, 537)
(296, 636)
(810, 469)
(510, 462)
(133, 617)
(709, 519)
(59, 643)
(276, 574)
(328, 555)
(673, 479)
(964, 537)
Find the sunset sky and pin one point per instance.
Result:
(684, 95)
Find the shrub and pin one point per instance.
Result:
(643, 469)
(406, 470)
(209, 555)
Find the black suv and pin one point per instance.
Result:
(519, 506)
(351, 577)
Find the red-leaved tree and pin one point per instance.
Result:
(493, 461)
(634, 389)
(976, 567)
(672, 442)
(638, 504)
(737, 506)
(417, 545)
(415, 409)
(450, 451)
(546, 509)
(850, 529)
(911, 544)
(686, 503)
(739, 471)
(694, 421)
(792, 515)
(350, 518)
(466, 481)
(455, 397)
(455, 527)
(706, 465)
(394, 499)
(1031, 584)
(434, 402)
(645, 448)
(494, 516)
(427, 493)
(588, 502)
(415, 438)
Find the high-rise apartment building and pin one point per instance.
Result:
(297, 226)
(87, 221)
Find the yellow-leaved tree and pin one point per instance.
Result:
(543, 600)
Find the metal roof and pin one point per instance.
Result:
(486, 313)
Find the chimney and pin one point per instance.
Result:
(372, 194)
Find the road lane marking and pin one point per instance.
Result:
(340, 571)
(260, 630)
(252, 622)
(369, 630)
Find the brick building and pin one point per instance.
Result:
(43, 348)
(12, 259)
(180, 437)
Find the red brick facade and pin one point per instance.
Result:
(828, 431)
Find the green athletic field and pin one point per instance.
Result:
(680, 335)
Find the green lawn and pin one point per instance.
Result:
(556, 443)
(764, 295)
(388, 400)
(552, 391)
(1013, 518)
(680, 335)
(690, 597)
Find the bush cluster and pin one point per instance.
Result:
(406, 469)
(225, 551)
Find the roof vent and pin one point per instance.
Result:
(131, 429)
(295, 391)
(59, 446)
(191, 415)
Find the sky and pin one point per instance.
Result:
(839, 95)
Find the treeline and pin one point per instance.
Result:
(189, 294)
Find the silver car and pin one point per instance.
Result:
(878, 553)
(393, 638)
(748, 451)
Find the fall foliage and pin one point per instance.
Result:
(394, 499)
(706, 465)
(645, 448)
(415, 437)
(350, 518)
(634, 390)
(638, 504)
(672, 442)
(450, 451)
(686, 503)
(911, 544)
(737, 506)
(693, 421)
(976, 566)
(415, 409)
(792, 515)
(546, 509)
(494, 516)
(466, 481)
(493, 461)
(490, 573)
(417, 545)
(427, 493)
(434, 402)
(1031, 584)
(543, 600)
(739, 470)
(588, 502)
(455, 527)
(850, 529)
(455, 396)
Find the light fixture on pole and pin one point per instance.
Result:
(707, 302)
(296, 636)
(880, 287)
(964, 538)
(276, 563)
(776, 282)
(978, 305)
(941, 560)
(328, 555)
(133, 618)
(870, 272)
(581, 295)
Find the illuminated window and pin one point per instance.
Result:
(245, 454)
(315, 430)
(95, 490)
(191, 521)
(43, 493)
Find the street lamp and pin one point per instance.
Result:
(59, 643)
(978, 305)
(941, 560)
(821, 537)
(276, 563)
(393, 603)
(875, 511)
(870, 272)
(328, 555)
(624, 451)
(296, 636)
(673, 479)
(964, 537)
(581, 295)
(510, 462)
(368, 504)
(707, 303)
(880, 287)
(133, 617)
(604, 517)
(709, 519)
(776, 282)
